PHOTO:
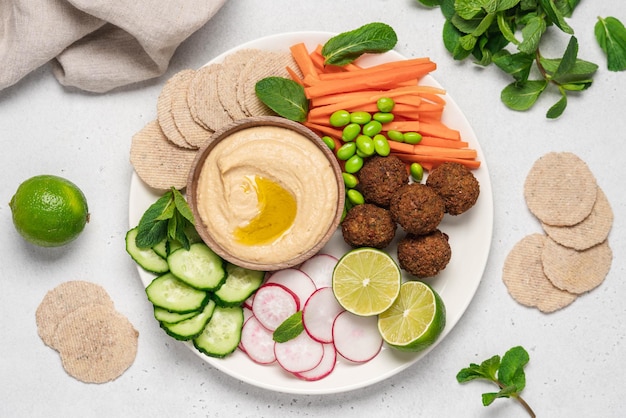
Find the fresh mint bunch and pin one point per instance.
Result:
(484, 29)
(507, 373)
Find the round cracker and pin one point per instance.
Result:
(269, 64)
(203, 100)
(195, 134)
(158, 162)
(591, 231)
(524, 278)
(96, 343)
(227, 80)
(62, 301)
(576, 271)
(560, 189)
(164, 108)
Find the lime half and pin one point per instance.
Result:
(366, 281)
(415, 320)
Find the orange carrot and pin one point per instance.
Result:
(294, 76)
(465, 153)
(400, 147)
(303, 59)
(436, 160)
(443, 143)
(326, 130)
(388, 66)
(432, 128)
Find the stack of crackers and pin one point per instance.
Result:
(194, 104)
(550, 270)
(96, 343)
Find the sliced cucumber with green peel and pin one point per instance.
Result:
(162, 248)
(174, 295)
(240, 283)
(222, 333)
(147, 258)
(199, 266)
(163, 315)
(192, 327)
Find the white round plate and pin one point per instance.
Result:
(469, 236)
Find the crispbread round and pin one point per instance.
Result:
(263, 65)
(524, 278)
(63, 300)
(164, 108)
(591, 231)
(158, 162)
(576, 271)
(96, 343)
(203, 100)
(560, 189)
(227, 80)
(195, 134)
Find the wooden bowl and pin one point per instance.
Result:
(241, 259)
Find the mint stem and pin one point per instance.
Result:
(520, 400)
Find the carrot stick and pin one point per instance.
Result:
(432, 128)
(400, 147)
(465, 153)
(326, 130)
(435, 160)
(294, 76)
(388, 66)
(443, 143)
(303, 59)
(333, 68)
(402, 126)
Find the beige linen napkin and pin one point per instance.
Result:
(96, 45)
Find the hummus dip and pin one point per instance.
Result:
(267, 194)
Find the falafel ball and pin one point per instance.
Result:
(368, 225)
(456, 185)
(424, 255)
(417, 208)
(380, 177)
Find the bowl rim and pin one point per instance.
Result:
(251, 122)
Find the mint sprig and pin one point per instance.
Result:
(168, 218)
(611, 36)
(484, 29)
(507, 373)
(289, 329)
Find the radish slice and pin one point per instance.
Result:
(273, 303)
(248, 302)
(257, 342)
(319, 313)
(320, 269)
(296, 281)
(326, 366)
(247, 314)
(299, 354)
(356, 337)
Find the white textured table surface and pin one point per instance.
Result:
(577, 355)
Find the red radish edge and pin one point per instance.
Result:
(257, 342)
(295, 280)
(326, 366)
(320, 269)
(299, 354)
(273, 303)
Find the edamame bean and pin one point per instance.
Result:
(381, 145)
(330, 143)
(412, 137)
(353, 164)
(360, 117)
(346, 151)
(372, 128)
(395, 135)
(350, 132)
(355, 197)
(417, 171)
(383, 117)
(340, 118)
(365, 144)
(349, 180)
(385, 104)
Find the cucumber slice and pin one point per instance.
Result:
(222, 333)
(162, 248)
(163, 315)
(192, 327)
(147, 258)
(171, 294)
(240, 283)
(199, 266)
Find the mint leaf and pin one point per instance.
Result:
(511, 370)
(611, 35)
(522, 96)
(486, 370)
(373, 37)
(430, 3)
(182, 206)
(289, 329)
(516, 65)
(556, 16)
(531, 35)
(558, 108)
(283, 96)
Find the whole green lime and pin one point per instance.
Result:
(49, 211)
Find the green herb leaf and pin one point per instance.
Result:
(486, 370)
(283, 96)
(516, 65)
(522, 96)
(531, 35)
(558, 108)
(469, 9)
(182, 206)
(511, 371)
(430, 3)
(611, 35)
(452, 41)
(373, 37)
(289, 329)
(556, 16)
(568, 61)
